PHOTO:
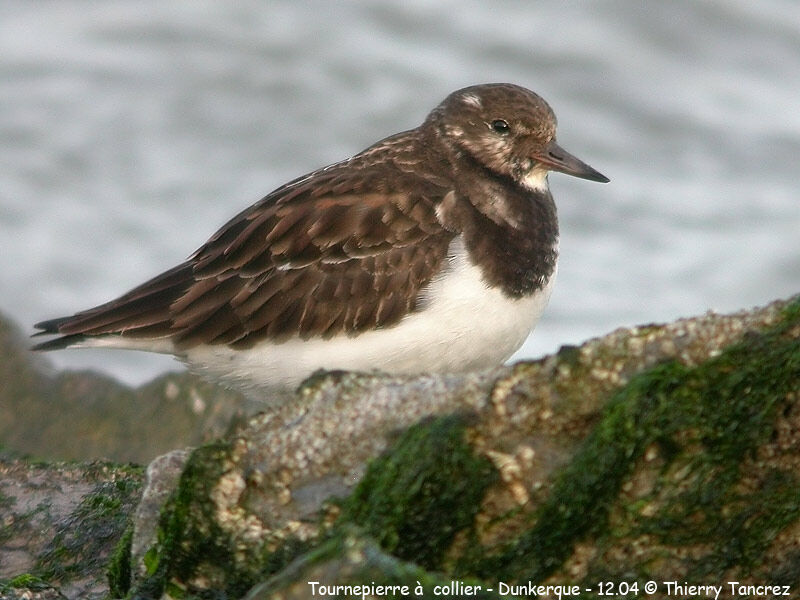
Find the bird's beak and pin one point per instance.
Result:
(555, 158)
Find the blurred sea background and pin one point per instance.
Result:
(130, 131)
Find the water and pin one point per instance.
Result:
(130, 131)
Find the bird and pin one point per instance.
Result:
(432, 250)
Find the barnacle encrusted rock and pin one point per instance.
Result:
(661, 452)
(629, 431)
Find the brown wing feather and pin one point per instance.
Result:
(144, 307)
(342, 250)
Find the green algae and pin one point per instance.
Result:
(420, 493)
(194, 557)
(712, 418)
(188, 537)
(81, 543)
(29, 582)
(357, 560)
(119, 567)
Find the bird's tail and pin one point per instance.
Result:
(141, 313)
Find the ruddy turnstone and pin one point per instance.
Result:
(433, 250)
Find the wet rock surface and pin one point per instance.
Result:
(61, 523)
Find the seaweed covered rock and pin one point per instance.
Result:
(654, 453)
(61, 524)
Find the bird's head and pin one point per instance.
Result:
(508, 130)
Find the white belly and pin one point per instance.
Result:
(464, 325)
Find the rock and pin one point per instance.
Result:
(162, 479)
(86, 416)
(61, 524)
(658, 453)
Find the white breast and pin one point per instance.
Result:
(463, 325)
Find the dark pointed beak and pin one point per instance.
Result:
(555, 158)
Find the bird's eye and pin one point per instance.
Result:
(500, 126)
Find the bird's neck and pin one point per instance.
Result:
(510, 230)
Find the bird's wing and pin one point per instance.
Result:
(344, 249)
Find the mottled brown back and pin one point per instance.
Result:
(342, 250)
